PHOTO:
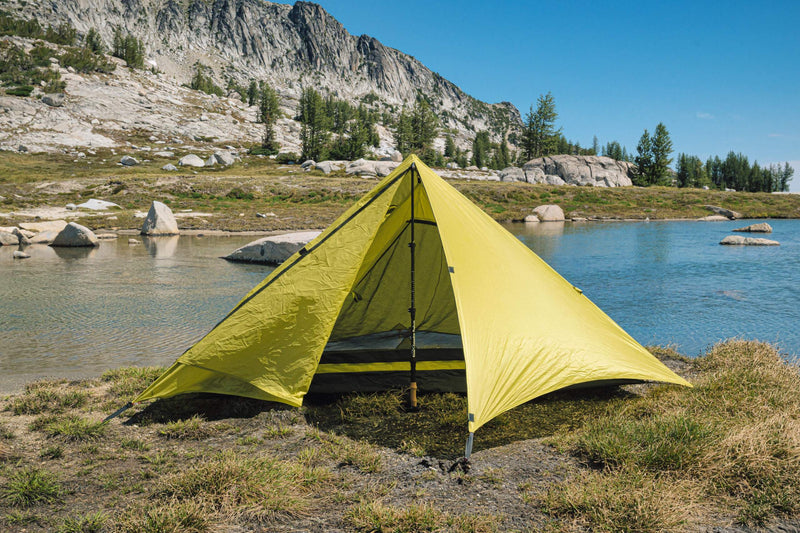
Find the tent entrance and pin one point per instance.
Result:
(370, 344)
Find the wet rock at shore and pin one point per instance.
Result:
(762, 227)
(272, 250)
(714, 218)
(8, 239)
(549, 213)
(22, 235)
(20, 255)
(47, 225)
(75, 235)
(738, 240)
(159, 221)
(44, 237)
(531, 219)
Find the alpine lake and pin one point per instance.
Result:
(79, 312)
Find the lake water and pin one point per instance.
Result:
(79, 312)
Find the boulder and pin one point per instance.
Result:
(211, 161)
(714, 218)
(71, 207)
(54, 99)
(330, 166)
(49, 225)
(129, 161)
(20, 255)
(724, 212)
(762, 227)
(164, 154)
(397, 157)
(272, 250)
(361, 167)
(98, 205)
(8, 239)
(44, 237)
(584, 170)
(169, 167)
(224, 158)
(75, 235)
(512, 174)
(551, 179)
(159, 221)
(531, 219)
(747, 241)
(308, 164)
(191, 160)
(549, 213)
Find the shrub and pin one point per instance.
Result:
(201, 81)
(129, 48)
(84, 60)
(22, 90)
(238, 194)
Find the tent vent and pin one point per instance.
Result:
(452, 270)
(471, 417)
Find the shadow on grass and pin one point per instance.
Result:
(439, 428)
(205, 405)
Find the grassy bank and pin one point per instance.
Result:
(231, 198)
(638, 458)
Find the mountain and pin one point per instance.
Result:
(289, 46)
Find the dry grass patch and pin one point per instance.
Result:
(29, 485)
(259, 488)
(736, 435)
(377, 517)
(128, 382)
(173, 517)
(47, 396)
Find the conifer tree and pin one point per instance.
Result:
(268, 113)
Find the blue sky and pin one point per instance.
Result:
(720, 75)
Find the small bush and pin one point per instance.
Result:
(30, 486)
(238, 194)
(22, 90)
(84, 60)
(287, 158)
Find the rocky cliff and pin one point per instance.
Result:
(586, 170)
(290, 46)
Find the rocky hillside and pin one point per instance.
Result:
(290, 46)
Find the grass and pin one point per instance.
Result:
(640, 458)
(377, 517)
(736, 435)
(260, 488)
(47, 396)
(29, 486)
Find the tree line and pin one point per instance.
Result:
(734, 172)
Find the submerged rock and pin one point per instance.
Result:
(747, 241)
(762, 227)
(272, 250)
(75, 235)
(531, 219)
(159, 221)
(20, 255)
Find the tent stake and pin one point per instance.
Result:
(118, 412)
(468, 451)
(412, 311)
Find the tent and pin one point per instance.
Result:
(413, 284)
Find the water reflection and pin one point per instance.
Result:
(161, 247)
(71, 253)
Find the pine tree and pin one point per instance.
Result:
(314, 125)
(268, 113)
(643, 160)
(661, 148)
(252, 93)
(480, 149)
(449, 147)
(539, 135)
(94, 42)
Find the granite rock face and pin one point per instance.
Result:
(584, 170)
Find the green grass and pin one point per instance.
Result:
(29, 485)
(178, 517)
(90, 523)
(47, 396)
(70, 428)
(127, 382)
(194, 428)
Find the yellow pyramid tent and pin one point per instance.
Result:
(488, 316)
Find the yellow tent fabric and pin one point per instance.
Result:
(524, 330)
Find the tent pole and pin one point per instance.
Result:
(468, 450)
(412, 398)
